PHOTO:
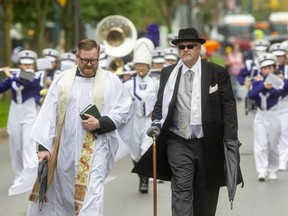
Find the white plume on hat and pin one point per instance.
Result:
(143, 51)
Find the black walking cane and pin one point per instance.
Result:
(154, 175)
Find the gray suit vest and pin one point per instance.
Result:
(181, 117)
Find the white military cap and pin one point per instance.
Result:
(261, 45)
(171, 53)
(285, 44)
(27, 56)
(143, 51)
(68, 56)
(158, 56)
(52, 54)
(266, 59)
(67, 61)
(277, 49)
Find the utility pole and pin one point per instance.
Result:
(76, 21)
(189, 12)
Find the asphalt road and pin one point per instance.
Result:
(123, 199)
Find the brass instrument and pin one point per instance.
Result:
(118, 34)
(116, 65)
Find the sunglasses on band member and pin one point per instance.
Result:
(86, 61)
(189, 46)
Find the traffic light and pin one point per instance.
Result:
(274, 4)
(62, 2)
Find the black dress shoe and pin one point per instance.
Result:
(143, 184)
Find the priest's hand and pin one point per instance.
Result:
(43, 155)
(91, 123)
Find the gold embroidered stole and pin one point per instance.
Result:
(86, 157)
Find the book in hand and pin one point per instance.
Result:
(92, 110)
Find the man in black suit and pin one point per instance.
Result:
(192, 119)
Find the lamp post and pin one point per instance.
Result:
(76, 21)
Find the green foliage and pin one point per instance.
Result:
(4, 104)
(141, 13)
(218, 59)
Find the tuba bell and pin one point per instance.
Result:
(118, 34)
(116, 65)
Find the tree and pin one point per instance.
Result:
(42, 8)
(7, 23)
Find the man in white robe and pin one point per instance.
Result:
(82, 85)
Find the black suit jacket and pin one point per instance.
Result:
(219, 121)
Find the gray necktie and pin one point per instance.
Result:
(189, 77)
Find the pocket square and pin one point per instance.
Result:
(213, 89)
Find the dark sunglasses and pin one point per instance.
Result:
(189, 46)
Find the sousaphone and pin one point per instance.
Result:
(118, 34)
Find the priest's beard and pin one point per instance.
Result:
(88, 71)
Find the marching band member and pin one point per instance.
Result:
(158, 59)
(157, 65)
(53, 55)
(279, 50)
(171, 56)
(143, 90)
(22, 112)
(67, 61)
(49, 74)
(251, 68)
(266, 129)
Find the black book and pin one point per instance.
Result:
(92, 110)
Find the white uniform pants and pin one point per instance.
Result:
(266, 136)
(140, 142)
(283, 141)
(22, 147)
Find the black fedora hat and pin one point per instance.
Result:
(188, 34)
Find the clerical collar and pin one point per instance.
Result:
(78, 73)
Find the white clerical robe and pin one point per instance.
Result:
(116, 105)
